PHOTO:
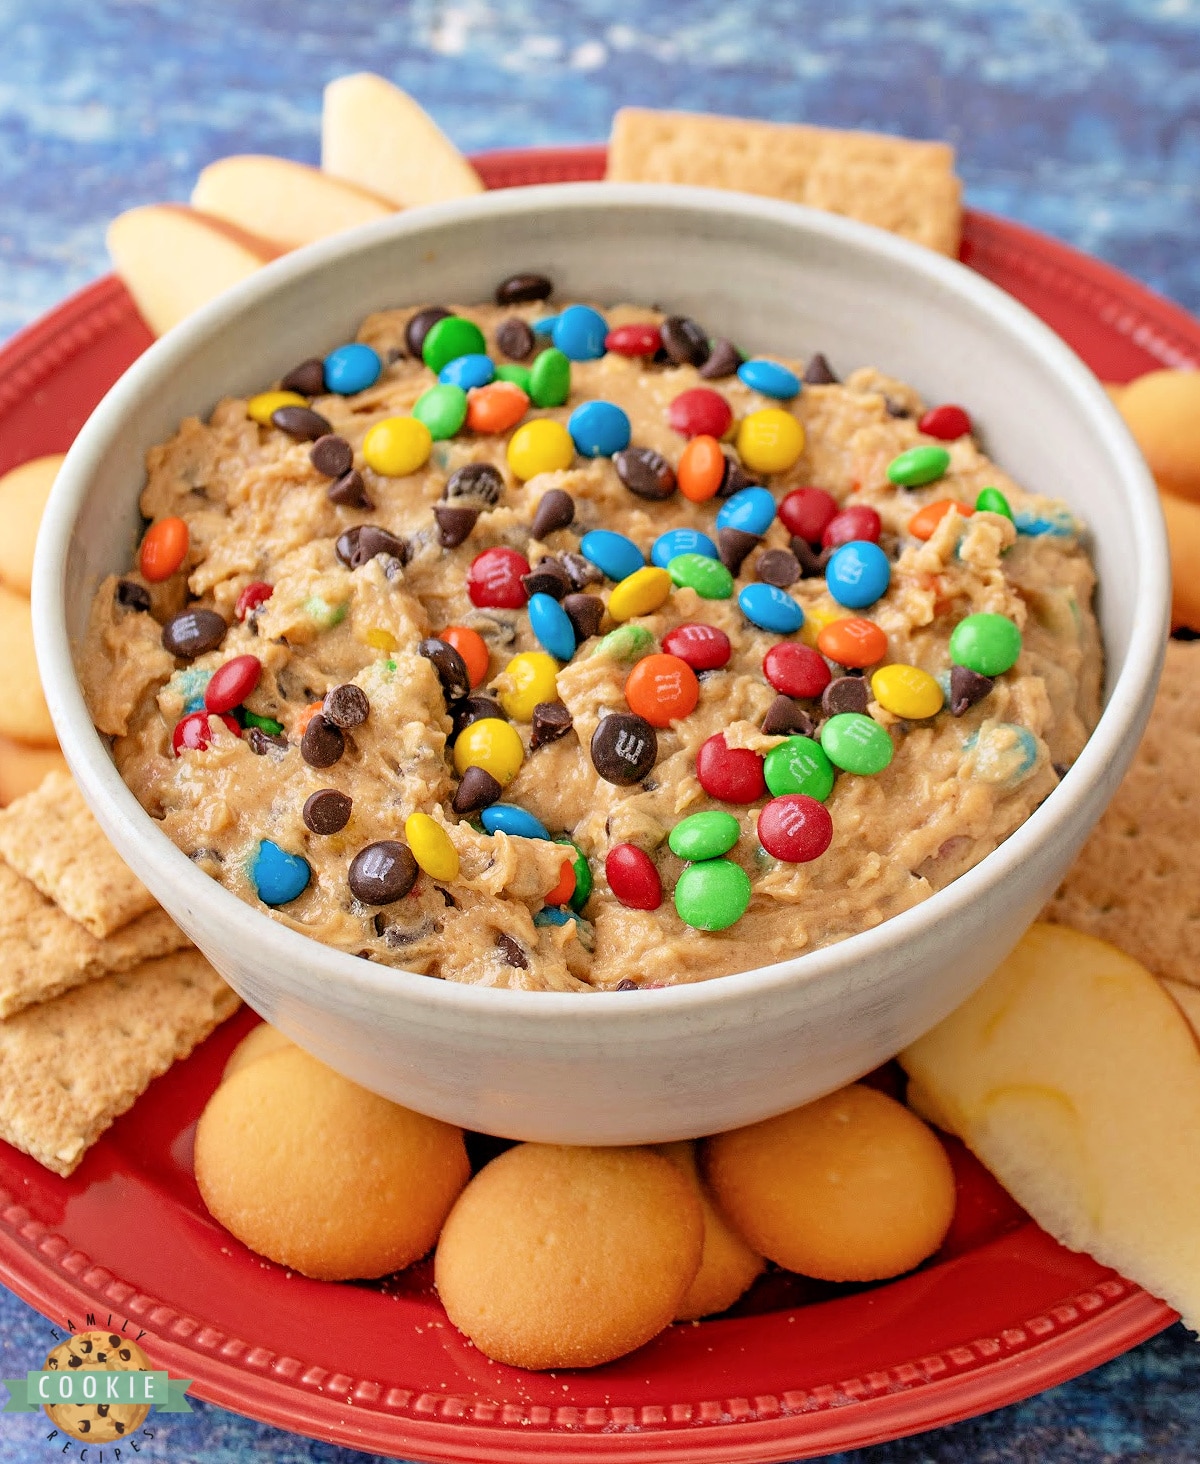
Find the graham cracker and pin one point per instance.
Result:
(44, 953)
(895, 183)
(69, 1067)
(1137, 881)
(51, 838)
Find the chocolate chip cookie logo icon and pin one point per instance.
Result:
(97, 1387)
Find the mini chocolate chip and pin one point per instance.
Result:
(477, 790)
(455, 522)
(349, 491)
(450, 667)
(845, 694)
(555, 510)
(346, 706)
(382, 873)
(192, 632)
(685, 342)
(818, 371)
(132, 595)
(260, 742)
(327, 811)
(515, 339)
(786, 717)
(895, 409)
(645, 472)
(723, 361)
(967, 688)
(624, 748)
(812, 561)
(1185, 633)
(1061, 770)
(582, 571)
(480, 481)
(548, 577)
(626, 983)
(736, 478)
(308, 378)
(585, 612)
(331, 455)
(733, 545)
(301, 423)
(419, 327)
(511, 951)
(777, 567)
(359, 545)
(522, 289)
(322, 744)
(473, 709)
(551, 720)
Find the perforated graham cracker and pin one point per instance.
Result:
(51, 838)
(69, 1067)
(892, 182)
(1137, 881)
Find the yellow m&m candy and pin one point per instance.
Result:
(492, 745)
(540, 446)
(907, 691)
(397, 446)
(640, 593)
(263, 406)
(431, 847)
(531, 677)
(769, 441)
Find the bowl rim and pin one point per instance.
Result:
(1130, 695)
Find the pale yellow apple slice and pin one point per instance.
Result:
(23, 494)
(377, 136)
(173, 259)
(286, 202)
(1076, 1080)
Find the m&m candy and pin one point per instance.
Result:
(795, 828)
(799, 765)
(431, 847)
(703, 647)
(769, 441)
(708, 577)
(579, 333)
(599, 429)
(701, 468)
(806, 512)
(730, 774)
(397, 446)
(531, 678)
(633, 877)
(448, 339)
(681, 541)
(491, 744)
(552, 626)
(549, 379)
(987, 644)
(193, 733)
(852, 641)
(856, 743)
(752, 510)
(443, 409)
(507, 818)
(467, 372)
(925, 521)
(946, 422)
(163, 549)
(796, 670)
(278, 876)
(858, 521)
(712, 895)
(232, 683)
(991, 500)
(907, 691)
(705, 835)
(700, 412)
(918, 466)
(770, 608)
(640, 593)
(662, 688)
(858, 574)
(540, 446)
(351, 369)
(494, 580)
(613, 554)
(769, 378)
(634, 340)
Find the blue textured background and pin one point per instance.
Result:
(1080, 118)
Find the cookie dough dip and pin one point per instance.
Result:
(536, 646)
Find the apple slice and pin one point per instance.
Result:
(289, 203)
(377, 136)
(1073, 1076)
(173, 259)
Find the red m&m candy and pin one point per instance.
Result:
(795, 828)
(796, 670)
(193, 734)
(703, 647)
(633, 878)
(494, 579)
(945, 423)
(731, 774)
(255, 594)
(633, 340)
(232, 683)
(700, 412)
(859, 521)
(806, 511)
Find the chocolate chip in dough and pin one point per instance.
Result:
(322, 744)
(359, 545)
(723, 361)
(450, 667)
(349, 491)
(523, 289)
(626, 983)
(818, 371)
(455, 522)
(419, 327)
(473, 709)
(260, 742)
(511, 951)
(585, 612)
(300, 423)
(327, 811)
(551, 720)
(480, 481)
(845, 694)
(966, 688)
(331, 455)
(382, 873)
(685, 342)
(346, 706)
(812, 561)
(191, 633)
(582, 571)
(555, 510)
(132, 595)
(624, 748)
(477, 790)
(308, 378)
(733, 545)
(786, 718)
(646, 473)
(777, 567)
(736, 478)
(515, 339)
(547, 577)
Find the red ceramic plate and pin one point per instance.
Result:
(799, 1369)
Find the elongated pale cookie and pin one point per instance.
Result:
(51, 838)
(69, 1067)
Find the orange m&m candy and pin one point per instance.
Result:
(662, 688)
(565, 887)
(925, 520)
(496, 407)
(701, 468)
(472, 647)
(163, 549)
(852, 641)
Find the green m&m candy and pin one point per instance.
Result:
(991, 500)
(799, 765)
(704, 835)
(856, 743)
(451, 337)
(712, 895)
(443, 409)
(518, 375)
(626, 643)
(550, 379)
(708, 577)
(986, 644)
(918, 466)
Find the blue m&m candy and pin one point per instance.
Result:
(351, 368)
(579, 333)
(468, 371)
(769, 378)
(681, 541)
(552, 625)
(277, 875)
(770, 608)
(751, 510)
(507, 818)
(612, 554)
(545, 326)
(858, 574)
(598, 429)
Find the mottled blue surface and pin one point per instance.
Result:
(1080, 118)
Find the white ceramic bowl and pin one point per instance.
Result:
(662, 1064)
